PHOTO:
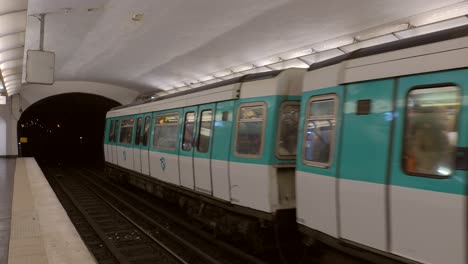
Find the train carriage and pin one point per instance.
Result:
(216, 146)
(382, 159)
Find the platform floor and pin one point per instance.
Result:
(7, 170)
(41, 231)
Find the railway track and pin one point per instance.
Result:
(135, 231)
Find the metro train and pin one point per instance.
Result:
(367, 151)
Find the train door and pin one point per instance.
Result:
(222, 131)
(144, 144)
(202, 150)
(187, 147)
(428, 182)
(137, 145)
(367, 125)
(114, 141)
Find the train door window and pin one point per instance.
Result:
(116, 131)
(126, 131)
(287, 130)
(138, 131)
(146, 131)
(204, 133)
(250, 129)
(111, 131)
(187, 140)
(431, 131)
(320, 130)
(165, 131)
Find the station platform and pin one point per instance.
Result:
(34, 227)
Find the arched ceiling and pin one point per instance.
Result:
(153, 45)
(12, 37)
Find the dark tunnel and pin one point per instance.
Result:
(65, 130)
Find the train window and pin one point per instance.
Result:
(319, 130)
(138, 131)
(287, 130)
(126, 131)
(146, 131)
(431, 131)
(165, 131)
(250, 129)
(116, 131)
(187, 139)
(204, 133)
(111, 131)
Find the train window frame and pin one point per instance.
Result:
(146, 132)
(278, 135)
(402, 159)
(317, 98)
(116, 131)
(193, 130)
(138, 131)
(156, 117)
(262, 104)
(110, 136)
(120, 128)
(199, 130)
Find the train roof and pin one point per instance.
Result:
(439, 36)
(244, 78)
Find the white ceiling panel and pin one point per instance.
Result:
(9, 6)
(12, 41)
(12, 23)
(10, 72)
(12, 77)
(11, 64)
(181, 40)
(11, 54)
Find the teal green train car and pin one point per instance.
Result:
(367, 151)
(225, 152)
(382, 161)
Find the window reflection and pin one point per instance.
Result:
(431, 130)
(288, 123)
(320, 131)
(165, 131)
(250, 130)
(126, 131)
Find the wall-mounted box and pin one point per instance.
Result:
(40, 67)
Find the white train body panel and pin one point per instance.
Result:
(434, 231)
(115, 159)
(186, 172)
(316, 202)
(125, 157)
(107, 153)
(362, 213)
(202, 172)
(251, 186)
(145, 164)
(137, 160)
(164, 167)
(221, 179)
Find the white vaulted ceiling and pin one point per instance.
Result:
(178, 41)
(12, 37)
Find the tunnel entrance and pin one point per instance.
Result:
(65, 130)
